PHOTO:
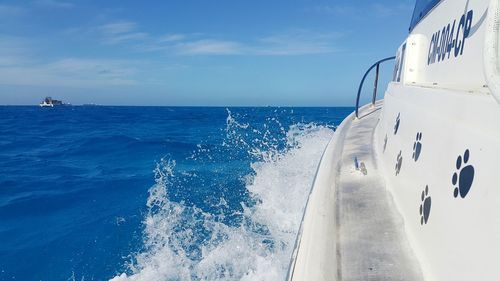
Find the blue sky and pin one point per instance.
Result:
(195, 52)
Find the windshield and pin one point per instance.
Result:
(422, 7)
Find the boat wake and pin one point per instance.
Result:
(184, 242)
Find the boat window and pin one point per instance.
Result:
(422, 7)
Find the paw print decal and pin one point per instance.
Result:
(398, 121)
(464, 176)
(385, 142)
(399, 162)
(417, 147)
(425, 206)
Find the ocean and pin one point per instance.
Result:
(155, 193)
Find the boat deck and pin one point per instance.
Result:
(371, 241)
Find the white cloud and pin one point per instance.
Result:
(118, 27)
(172, 38)
(92, 67)
(13, 51)
(20, 63)
(120, 38)
(292, 42)
(209, 47)
(120, 32)
(297, 42)
(73, 72)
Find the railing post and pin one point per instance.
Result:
(375, 84)
(377, 64)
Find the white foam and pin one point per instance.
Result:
(259, 248)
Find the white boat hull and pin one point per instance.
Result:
(430, 155)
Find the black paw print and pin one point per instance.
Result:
(417, 147)
(385, 142)
(425, 206)
(464, 176)
(399, 162)
(398, 121)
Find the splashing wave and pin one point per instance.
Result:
(183, 242)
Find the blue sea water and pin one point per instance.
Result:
(155, 193)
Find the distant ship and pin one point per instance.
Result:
(49, 102)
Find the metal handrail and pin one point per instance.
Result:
(375, 83)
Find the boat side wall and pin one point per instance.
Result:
(437, 145)
(314, 257)
(439, 151)
(438, 140)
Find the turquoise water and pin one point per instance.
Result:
(155, 193)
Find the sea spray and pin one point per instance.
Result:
(184, 242)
